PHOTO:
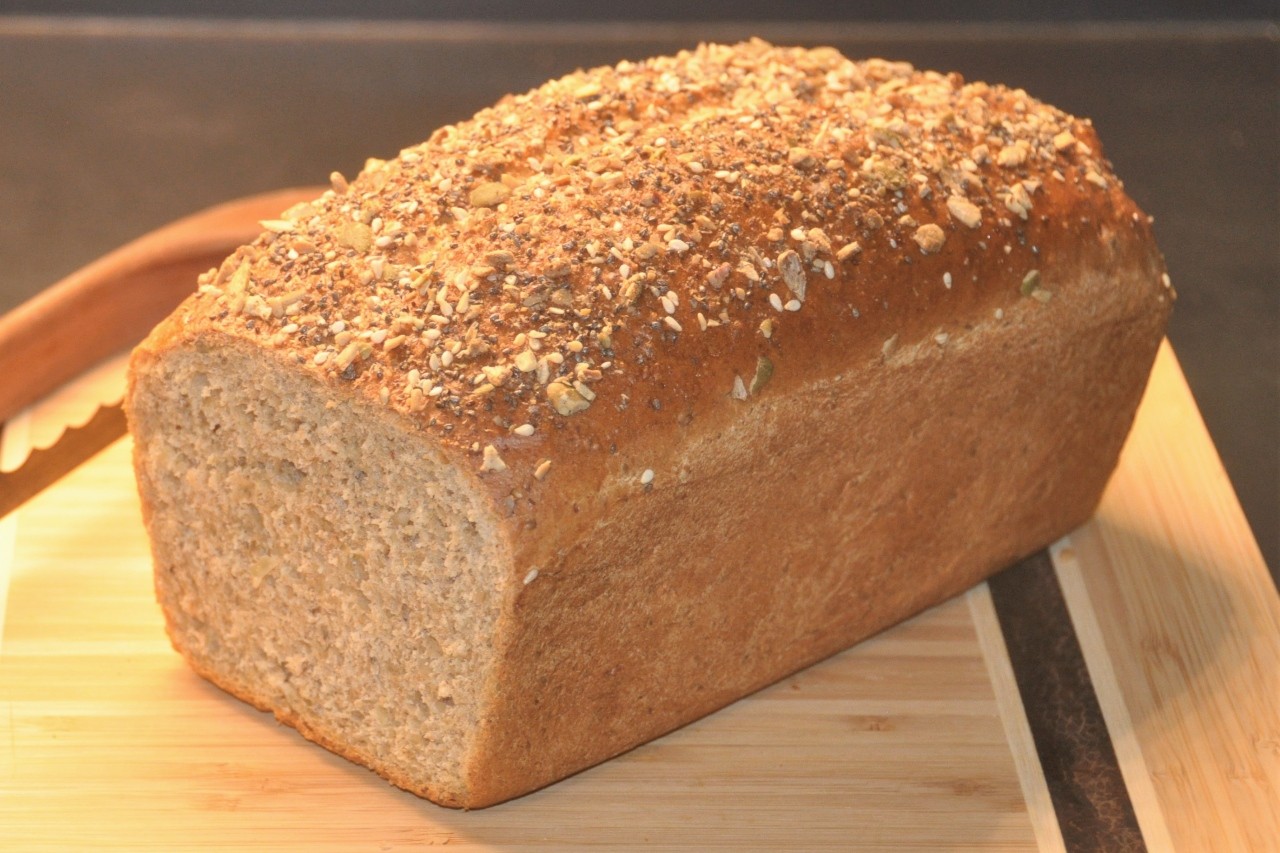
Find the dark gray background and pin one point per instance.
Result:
(110, 126)
(985, 11)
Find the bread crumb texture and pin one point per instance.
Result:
(537, 265)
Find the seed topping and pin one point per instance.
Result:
(929, 238)
(543, 260)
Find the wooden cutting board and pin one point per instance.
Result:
(962, 729)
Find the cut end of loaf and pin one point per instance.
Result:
(316, 562)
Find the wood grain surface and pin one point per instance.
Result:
(914, 740)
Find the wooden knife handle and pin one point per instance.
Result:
(114, 301)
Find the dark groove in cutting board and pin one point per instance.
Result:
(1079, 761)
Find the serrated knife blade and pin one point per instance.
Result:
(104, 308)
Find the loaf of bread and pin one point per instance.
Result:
(634, 394)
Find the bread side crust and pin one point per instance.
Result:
(733, 571)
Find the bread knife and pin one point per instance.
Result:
(103, 308)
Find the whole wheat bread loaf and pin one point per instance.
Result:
(631, 395)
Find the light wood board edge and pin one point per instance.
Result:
(1189, 620)
(1044, 820)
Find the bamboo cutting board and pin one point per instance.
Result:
(1121, 691)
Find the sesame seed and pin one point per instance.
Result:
(792, 305)
(489, 194)
(526, 361)
(492, 461)
(544, 467)
(647, 477)
(792, 273)
(964, 211)
(1030, 283)
(776, 301)
(929, 238)
(764, 372)
(321, 357)
(1012, 155)
(672, 323)
(348, 355)
(946, 280)
(800, 158)
(716, 277)
(1017, 200)
(531, 576)
(355, 235)
(848, 250)
(524, 430)
(565, 398)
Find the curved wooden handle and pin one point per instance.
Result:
(113, 302)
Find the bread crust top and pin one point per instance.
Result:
(628, 248)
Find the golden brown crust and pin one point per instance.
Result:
(571, 243)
